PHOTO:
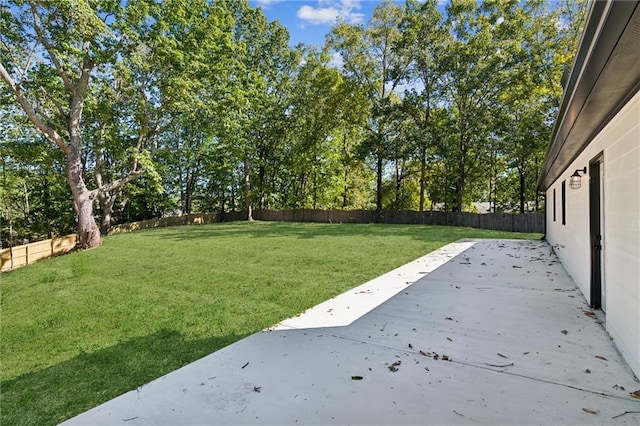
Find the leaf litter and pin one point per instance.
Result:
(394, 367)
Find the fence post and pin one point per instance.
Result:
(26, 254)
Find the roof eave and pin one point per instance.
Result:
(585, 111)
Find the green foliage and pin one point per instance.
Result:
(34, 198)
(211, 105)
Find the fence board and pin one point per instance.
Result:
(15, 257)
(190, 219)
(529, 222)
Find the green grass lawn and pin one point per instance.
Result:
(81, 329)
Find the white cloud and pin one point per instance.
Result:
(329, 11)
(320, 15)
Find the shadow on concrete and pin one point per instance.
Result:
(56, 393)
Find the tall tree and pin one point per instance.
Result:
(316, 106)
(374, 59)
(472, 88)
(526, 35)
(64, 58)
(425, 35)
(49, 61)
(264, 64)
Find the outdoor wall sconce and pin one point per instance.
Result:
(575, 181)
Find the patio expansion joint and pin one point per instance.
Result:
(550, 382)
(471, 365)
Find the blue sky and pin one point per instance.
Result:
(309, 21)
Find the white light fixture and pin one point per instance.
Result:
(575, 181)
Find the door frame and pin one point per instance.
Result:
(596, 193)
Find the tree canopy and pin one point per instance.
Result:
(118, 111)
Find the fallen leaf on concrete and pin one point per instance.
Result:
(394, 367)
(518, 267)
(587, 371)
(257, 388)
(357, 377)
(436, 356)
(601, 357)
(618, 387)
(449, 339)
(445, 358)
(245, 364)
(448, 318)
(635, 394)
(590, 411)
(503, 356)
(423, 353)
(499, 365)
(564, 332)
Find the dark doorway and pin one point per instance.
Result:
(596, 224)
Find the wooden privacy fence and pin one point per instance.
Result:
(189, 219)
(513, 222)
(529, 222)
(15, 257)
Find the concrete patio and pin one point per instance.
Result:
(498, 334)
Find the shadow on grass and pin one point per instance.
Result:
(306, 230)
(57, 393)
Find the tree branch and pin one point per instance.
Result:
(31, 113)
(37, 25)
(23, 73)
(77, 104)
(118, 183)
(57, 104)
